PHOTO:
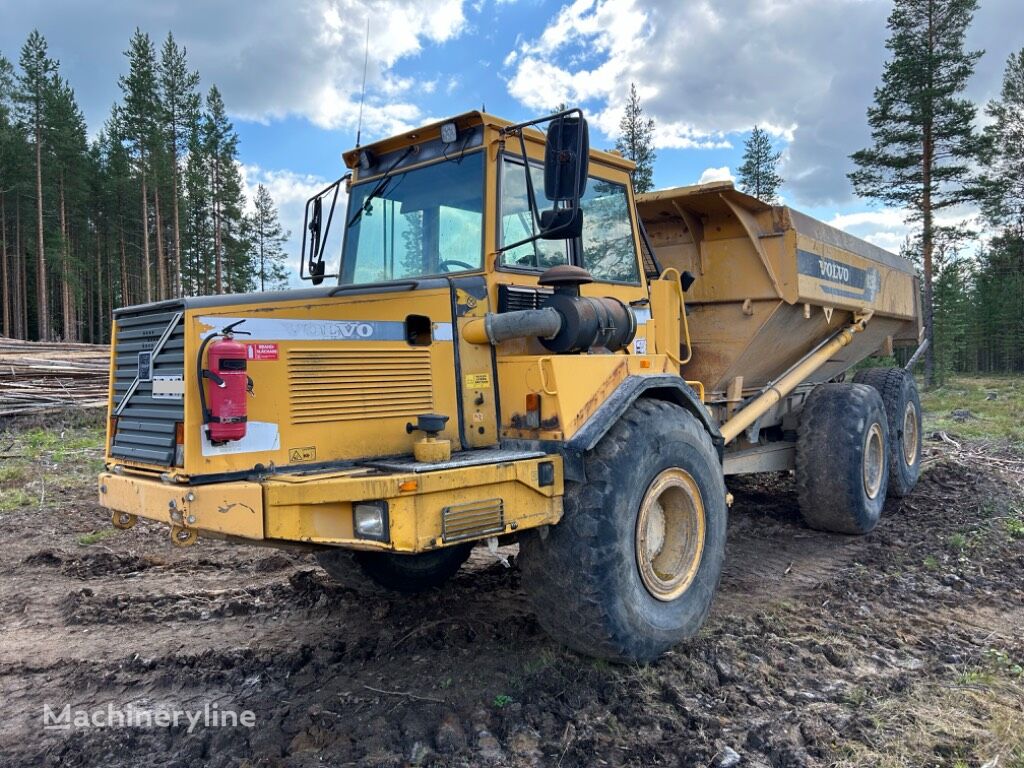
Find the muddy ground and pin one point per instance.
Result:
(904, 647)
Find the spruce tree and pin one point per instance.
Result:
(636, 141)
(7, 178)
(180, 104)
(68, 166)
(1003, 203)
(220, 147)
(923, 141)
(758, 176)
(138, 118)
(267, 239)
(34, 83)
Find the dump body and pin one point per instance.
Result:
(771, 284)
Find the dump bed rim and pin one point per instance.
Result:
(802, 223)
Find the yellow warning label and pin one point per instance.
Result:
(478, 381)
(297, 455)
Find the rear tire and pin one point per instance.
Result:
(903, 409)
(842, 458)
(399, 573)
(633, 565)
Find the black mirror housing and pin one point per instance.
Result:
(561, 223)
(566, 158)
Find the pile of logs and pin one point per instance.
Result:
(42, 376)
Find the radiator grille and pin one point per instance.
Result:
(146, 425)
(350, 384)
(512, 298)
(478, 518)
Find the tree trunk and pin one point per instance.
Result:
(145, 239)
(4, 270)
(43, 309)
(161, 259)
(217, 257)
(174, 205)
(21, 290)
(125, 299)
(66, 310)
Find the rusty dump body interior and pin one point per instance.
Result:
(770, 284)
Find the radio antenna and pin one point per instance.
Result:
(362, 90)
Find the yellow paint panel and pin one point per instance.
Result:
(233, 508)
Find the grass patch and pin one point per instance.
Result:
(13, 474)
(14, 498)
(1001, 417)
(95, 536)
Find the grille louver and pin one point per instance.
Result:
(349, 384)
(146, 425)
(512, 298)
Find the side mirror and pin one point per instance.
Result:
(566, 165)
(566, 159)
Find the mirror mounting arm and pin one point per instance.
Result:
(311, 265)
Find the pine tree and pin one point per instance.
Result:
(68, 166)
(34, 82)
(220, 147)
(267, 240)
(7, 172)
(180, 102)
(138, 125)
(636, 141)
(1003, 204)
(758, 176)
(921, 126)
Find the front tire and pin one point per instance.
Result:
(399, 573)
(842, 458)
(633, 565)
(903, 409)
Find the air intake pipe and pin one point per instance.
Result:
(567, 322)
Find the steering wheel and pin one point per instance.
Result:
(446, 263)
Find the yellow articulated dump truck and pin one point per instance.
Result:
(517, 348)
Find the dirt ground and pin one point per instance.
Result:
(901, 648)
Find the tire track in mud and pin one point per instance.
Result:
(808, 630)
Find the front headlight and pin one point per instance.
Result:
(370, 520)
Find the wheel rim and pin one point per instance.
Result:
(874, 460)
(670, 534)
(910, 435)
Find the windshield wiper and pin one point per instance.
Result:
(378, 190)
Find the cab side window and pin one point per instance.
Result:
(609, 251)
(517, 221)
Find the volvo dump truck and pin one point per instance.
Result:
(515, 347)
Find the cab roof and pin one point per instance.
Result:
(465, 121)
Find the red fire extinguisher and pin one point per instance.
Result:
(224, 406)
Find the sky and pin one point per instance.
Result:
(707, 71)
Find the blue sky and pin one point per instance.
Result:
(707, 71)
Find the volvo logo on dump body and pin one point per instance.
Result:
(833, 270)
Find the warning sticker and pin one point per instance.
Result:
(261, 351)
(296, 455)
(478, 381)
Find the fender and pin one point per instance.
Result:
(658, 387)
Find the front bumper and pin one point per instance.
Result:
(427, 507)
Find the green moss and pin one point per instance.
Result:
(996, 405)
(95, 536)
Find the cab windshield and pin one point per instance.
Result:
(425, 221)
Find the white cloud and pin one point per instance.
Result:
(271, 59)
(716, 174)
(804, 70)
